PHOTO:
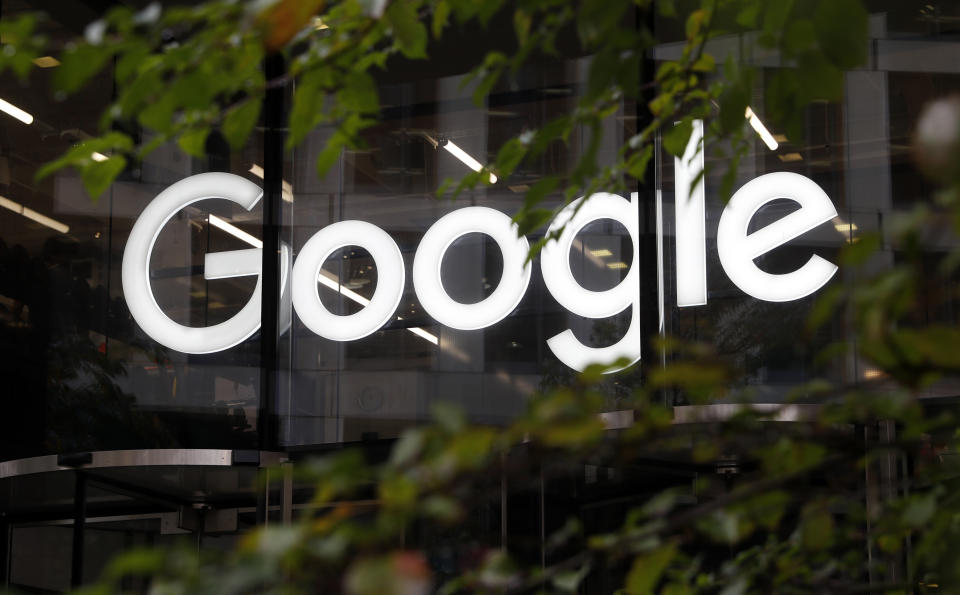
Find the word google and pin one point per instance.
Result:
(737, 250)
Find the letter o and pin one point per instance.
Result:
(390, 275)
(513, 281)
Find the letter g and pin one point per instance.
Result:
(136, 266)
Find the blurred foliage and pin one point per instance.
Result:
(804, 514)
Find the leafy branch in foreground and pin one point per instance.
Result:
(183, 72)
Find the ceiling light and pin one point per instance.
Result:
(617, 265)
(286, 189)
(234, 231)
(33, 215)
(16, 112)
(843, 227)
(519, 188)
(761, 129)
(46, 62)
(790, 157)
(328, 279)
(601, 252)
(464, 157)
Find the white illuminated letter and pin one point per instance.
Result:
(306, 271)
(555, 263)
(136, 262)
(738, 249)
(690, 218)
(513, 281)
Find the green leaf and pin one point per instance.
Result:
(194, 142)
(705, 63)
(398, 492)
(330, 153)
(735, 96)
(277, 541)
(407, 447)
(509, 157)
(539, 191)
(307, 109)
(238, 123)
(675, 139)
(443, 508)
(532, 219)
(158, 115)
(359, 93)
(816, 531)
(775, 16)
(521, 25)
(137, 561)
(842, 28)
(817, 79)
(859, 252)
(647, 569)
(441, 16)
(695, 22)
(98, 175)
(569, 581)
(410, 33)
(919, 510)
(448, 416)
(749, 14)
(82, 154)
(722, 526)
(668, 8)
(78, 65)
(130, 62)
(638, 162)
(800, 35)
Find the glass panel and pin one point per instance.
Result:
(79, 374)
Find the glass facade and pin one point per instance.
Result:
(79, 375)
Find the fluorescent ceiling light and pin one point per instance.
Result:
(44, 220)
(790, 157)
(601, 252)
(326, 278)
(842, 226)
(33, 215)
(845, 229)
(46, 62)
(97, 156)
(234, 231)
(16, 112)
(761, 129)
(286, 189)
(616, 265)
(580, 247)
(464, 157)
